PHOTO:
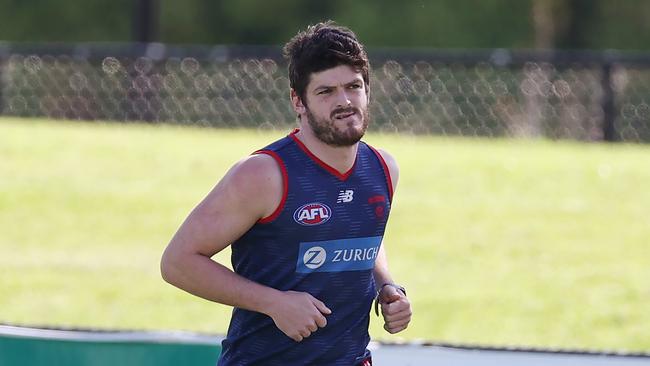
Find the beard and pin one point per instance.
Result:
(327, 131)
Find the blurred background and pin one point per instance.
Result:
(567, 24)
(521, 128)
(555, 68)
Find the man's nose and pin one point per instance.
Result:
(343, 99)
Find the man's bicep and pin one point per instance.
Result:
(207, 231)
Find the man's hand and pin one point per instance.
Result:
(395, 308)
(298, 314)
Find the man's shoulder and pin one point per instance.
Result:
(259, 167)
(389, 162)
(388, 158)
(263, 162)
(253, 186)
(382, 153)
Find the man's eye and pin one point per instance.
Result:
(355, 86)
(324, 91)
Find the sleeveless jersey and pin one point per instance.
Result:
(322, 239)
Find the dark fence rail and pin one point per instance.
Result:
(553, 94)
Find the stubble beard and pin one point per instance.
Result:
(327, 131)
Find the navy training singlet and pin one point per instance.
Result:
(322, 239)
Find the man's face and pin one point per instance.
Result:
(337, 105)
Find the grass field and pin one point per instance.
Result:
(499, 242)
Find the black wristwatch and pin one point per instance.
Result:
(399, 287)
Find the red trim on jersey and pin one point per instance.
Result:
(323, 164)
(285, 186)
(386, 171)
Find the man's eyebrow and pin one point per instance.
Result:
(323, 87)
(354, 81)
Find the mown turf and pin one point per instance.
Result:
(499, 242)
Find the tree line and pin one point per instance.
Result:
(566, 24)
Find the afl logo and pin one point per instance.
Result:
(312, 214)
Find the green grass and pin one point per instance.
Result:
(499, 242)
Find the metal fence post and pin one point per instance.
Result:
(4, 56)
(609, 104)
(2, 104)
(145, 20)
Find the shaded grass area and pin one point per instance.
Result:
(499, 242)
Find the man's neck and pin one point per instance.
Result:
(341, 158)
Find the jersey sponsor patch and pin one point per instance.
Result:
(341, 255)
(312, 214)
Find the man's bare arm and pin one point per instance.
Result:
(251, 190)
(395, 306)
(381, 272)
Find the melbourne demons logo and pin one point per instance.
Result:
(312, 214)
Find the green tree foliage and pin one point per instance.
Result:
(65, 20)
(239, 22)
(445, 24)
(591, 24)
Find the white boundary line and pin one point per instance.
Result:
(110, 336)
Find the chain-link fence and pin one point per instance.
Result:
(585, 96)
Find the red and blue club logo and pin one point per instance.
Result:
(312, 214)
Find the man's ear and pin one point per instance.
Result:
(296, 103)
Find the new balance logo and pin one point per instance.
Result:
(345, 196)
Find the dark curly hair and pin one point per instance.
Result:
(320, 47)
